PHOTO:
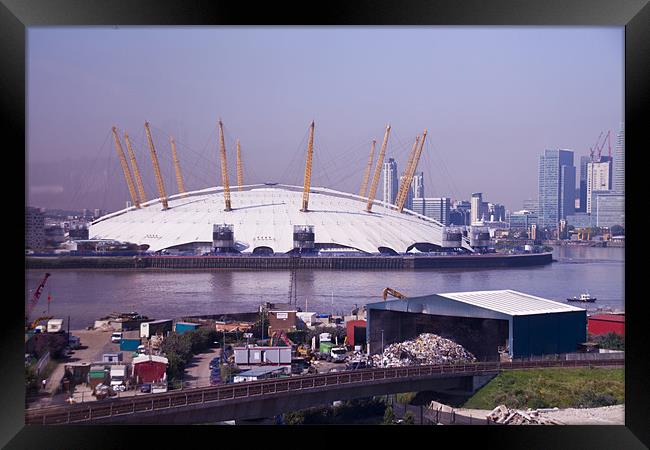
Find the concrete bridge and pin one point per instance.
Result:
(267, 398)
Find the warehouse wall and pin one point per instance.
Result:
(548, 333)
(482, 337)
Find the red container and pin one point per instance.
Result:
(606, 323)
(350, 330)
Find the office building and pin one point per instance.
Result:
(496, 212)
(610, 209)
(436, 208)
(556, 187)
(476, 213)
(618, 182)
(599, 178)
(522, 219)
(417, 186)
(34, 228)
(532, 205)
(582, 196)
(391, 181)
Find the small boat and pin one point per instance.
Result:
(585, 298)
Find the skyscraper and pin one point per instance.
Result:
(391, 181)
(477, 203)
(556, 187)
(435, 208)
(584, 160)
(417, 186)
(599, 178)
(618, 182)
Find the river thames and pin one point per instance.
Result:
(86, 295)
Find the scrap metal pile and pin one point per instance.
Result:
(505, 416)
(426, 349)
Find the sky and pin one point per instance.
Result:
(491, 99)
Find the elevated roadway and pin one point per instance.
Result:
(268, 398)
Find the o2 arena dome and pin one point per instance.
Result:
(272, 218)
(268, 219)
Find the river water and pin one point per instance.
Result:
(86, 295)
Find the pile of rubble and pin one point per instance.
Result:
(425, 349)
(505, 416)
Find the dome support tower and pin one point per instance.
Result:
(156, 168)
(307, 182)
(375, 178)
(136, 170)
(224, 169)
(125, 169)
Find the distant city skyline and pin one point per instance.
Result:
(492, 99)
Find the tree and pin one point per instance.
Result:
(389, 415)
(409, 418)
(617, 230)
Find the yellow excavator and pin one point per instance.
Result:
(392, 292)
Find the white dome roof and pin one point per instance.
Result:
(264, 216)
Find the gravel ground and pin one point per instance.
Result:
(606, 415)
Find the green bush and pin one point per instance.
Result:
(409, 418)
(611, 341)
(389, 416)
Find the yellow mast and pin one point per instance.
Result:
(125, 169)
(366, 175)
(156, 168)
(177, 167)
(307, 182)
(240, 172)
(224, 169)
(412, 167)
(136, 170)
(375, 178)
(403, 189)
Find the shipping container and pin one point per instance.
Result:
(606, 323)
(148, 329)
(262, 355)
(129, 344)
(182, 327)
(356, 332)
(112, 357)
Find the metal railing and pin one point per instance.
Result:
(91, 411)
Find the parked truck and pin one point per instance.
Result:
(118, 378)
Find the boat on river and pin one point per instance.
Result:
(584, 298)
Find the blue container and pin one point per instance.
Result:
(182, 327)
(129, 344)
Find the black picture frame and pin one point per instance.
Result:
(16, 15)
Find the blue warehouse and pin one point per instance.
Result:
(487, 323)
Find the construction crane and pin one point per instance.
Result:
(600, 149)
(37, 294)
(307, 181)
(156, 168)
(403, 189)
(366, 175)
(39, 320)
(177, 167)
(393, 292)
(278, 336)
(240, 171)
(411, 172)
(136, 170)
(224, 169)
(375, 178)
(125, 168)
(591, 149)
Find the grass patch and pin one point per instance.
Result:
(549, 388)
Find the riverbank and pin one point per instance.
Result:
(287, 262)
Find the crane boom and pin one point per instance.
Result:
(125, 168)
(366, 175)
(37, 294)
(156, 168)
(375, 178)
(403, 189)
(136, 170)
(240, 171)
(600, 149)
(392, 292)
(224, 169)
(307, 181)
(412, 167)
(177, 167)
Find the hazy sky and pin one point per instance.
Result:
(492, 99)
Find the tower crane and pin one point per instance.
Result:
(37, 294)
(600, 149)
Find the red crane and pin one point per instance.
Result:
(37, 294)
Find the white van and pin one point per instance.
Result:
(116, 337)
